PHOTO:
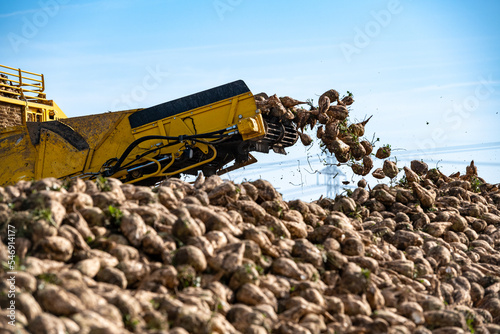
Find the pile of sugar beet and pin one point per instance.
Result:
(218, 257)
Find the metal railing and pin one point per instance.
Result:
(22, 85)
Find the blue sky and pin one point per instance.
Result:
(428, 71)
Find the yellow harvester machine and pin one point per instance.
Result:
(205, 131)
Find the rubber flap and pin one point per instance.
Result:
(187, 103)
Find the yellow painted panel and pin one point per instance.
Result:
(205, 119)
(113, 145)
(94, 128)
(60, 157)
(18, 158)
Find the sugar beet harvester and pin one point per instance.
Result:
(205, 132)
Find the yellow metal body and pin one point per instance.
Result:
(26, 90)
(204, 131)
(83, 146)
